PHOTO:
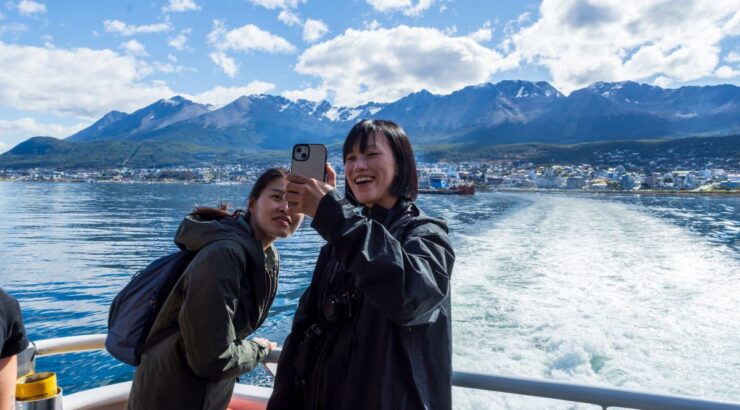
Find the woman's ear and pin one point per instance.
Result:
(250, 205)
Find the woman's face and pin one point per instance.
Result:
(270, 212)
(371, 173)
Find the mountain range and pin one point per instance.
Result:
(180, 131)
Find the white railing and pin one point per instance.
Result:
(602, 396)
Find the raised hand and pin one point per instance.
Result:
(304, 194)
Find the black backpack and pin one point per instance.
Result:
(135, 308)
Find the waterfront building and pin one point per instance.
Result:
(575, 183)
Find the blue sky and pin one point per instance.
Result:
(64, 64)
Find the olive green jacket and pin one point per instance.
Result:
(222, 297)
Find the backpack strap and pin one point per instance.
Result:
(167, 331)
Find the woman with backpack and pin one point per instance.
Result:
(372, 331)
(223, 296)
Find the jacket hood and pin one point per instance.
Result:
(414, 216)
(193, 234)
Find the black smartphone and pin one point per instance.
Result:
(309, 160)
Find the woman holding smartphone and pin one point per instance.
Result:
(373, 329)
(224, 295)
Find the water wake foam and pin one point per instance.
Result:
(599, 292)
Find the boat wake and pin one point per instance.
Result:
(602, 292)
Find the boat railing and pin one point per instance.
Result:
(601, 396)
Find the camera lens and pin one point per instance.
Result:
(304, 155)
(299, 149)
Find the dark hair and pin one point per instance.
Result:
(405, 184)
(207, 213)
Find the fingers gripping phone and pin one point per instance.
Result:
(309, 160)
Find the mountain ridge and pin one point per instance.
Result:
(507, 112)
(152, 117)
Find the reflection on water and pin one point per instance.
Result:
(629, 291)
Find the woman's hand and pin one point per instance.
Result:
(265, 343)
(304, 194)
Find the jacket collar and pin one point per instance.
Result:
(386, 216)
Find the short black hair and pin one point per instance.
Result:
(264, 179)
(406, 183)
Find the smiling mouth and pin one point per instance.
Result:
(364, 180)
(283, 220)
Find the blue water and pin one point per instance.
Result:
(630, 291)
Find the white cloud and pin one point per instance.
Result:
(166, 68)
(313, 30)
(119, 27)
(663, 81)
(524, 18)
(247, 38)
(79, 82)
(220, 96)
(172, 58)
(732, 27)
(277, 4)
(727, 72)
(405, 6)
(180, 5)
(29, 7)
(371, 25)
(179, 41)
(733, 57)
(16, 131)
(582, 41)
(483, 34)
(309, 93)
(386, 64)
(289, 18)
(13, 28)
(227, 64)
(134, 47)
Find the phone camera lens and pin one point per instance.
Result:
(304, 155)
(299, 149)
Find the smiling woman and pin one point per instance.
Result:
(373, 330)
(379, 164)
(224, 296)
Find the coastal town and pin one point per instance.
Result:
(484, 176)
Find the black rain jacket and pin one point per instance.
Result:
(222, 297)
(394, 351)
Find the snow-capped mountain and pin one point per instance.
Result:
(162, 113)
(481, 106)
(481, 115)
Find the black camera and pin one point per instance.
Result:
(301, 152)
(339, 306)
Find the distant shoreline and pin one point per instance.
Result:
(110, 181)
(641, 192)
(505, 190)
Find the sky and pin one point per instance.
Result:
(64, 64)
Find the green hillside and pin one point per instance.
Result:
(697, 150)
(46, 152)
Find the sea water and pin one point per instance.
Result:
(638, 292)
